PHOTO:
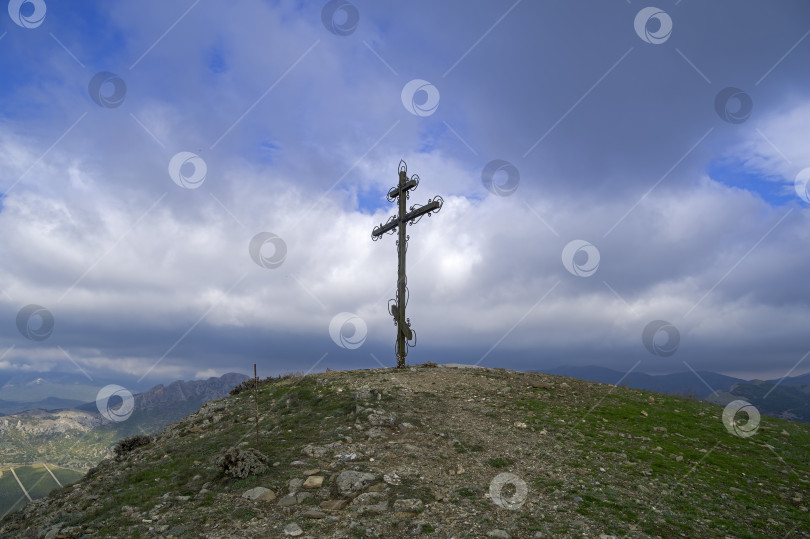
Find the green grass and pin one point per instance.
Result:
(37, 481)
(617, 437)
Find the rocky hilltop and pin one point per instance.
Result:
(443, 452)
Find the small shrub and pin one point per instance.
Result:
(126, 445)
(429, 364)
(240, 463)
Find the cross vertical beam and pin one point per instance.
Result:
(402, 192)
(401, 347)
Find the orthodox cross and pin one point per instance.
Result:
(396, 307)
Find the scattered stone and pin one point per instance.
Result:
(288, 500)
(313, 471)
(645, 414)
(498, 533)
(293, 530)
(541, 384)
(313, 481)
(660, 429)
(313, 513)
(392, 479)
(520, 424)
(577, 499)
(679, 458)
(260, 494)
(785, 433)
(295, 463)
(564, 385)
(333, 505)
(376, 432)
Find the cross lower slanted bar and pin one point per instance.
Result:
(402, 192)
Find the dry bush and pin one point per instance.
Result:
(241, 463)
(128, 444)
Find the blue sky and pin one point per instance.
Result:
(130, 203)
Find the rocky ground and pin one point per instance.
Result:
(444, 452)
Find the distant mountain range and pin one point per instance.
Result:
(78, 436)
(788, 399)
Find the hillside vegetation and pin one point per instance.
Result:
(444, 452)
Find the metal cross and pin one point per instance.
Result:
(396, 307)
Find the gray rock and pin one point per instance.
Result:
(295, 485)
(376, 432)
(287, 501)
(498, 533)
(351, 481)
(368, 498)
(293, 530)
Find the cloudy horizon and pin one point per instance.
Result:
(622, 185)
